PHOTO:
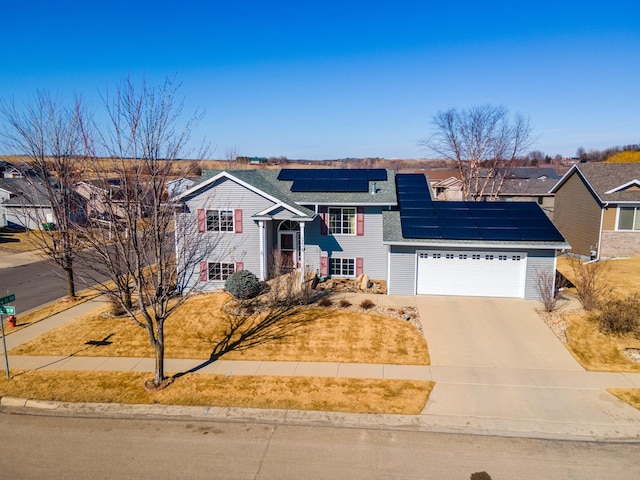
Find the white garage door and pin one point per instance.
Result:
(476, 274)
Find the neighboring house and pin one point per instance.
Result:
(597, 208)
(179, 186)
(524, 184)
(8, 170)
(342, 223)
(26, 205)
(102, 198)
(12, 172)
(527, 190)
(447, 189)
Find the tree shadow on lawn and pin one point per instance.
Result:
(89, 344)
(256, 322)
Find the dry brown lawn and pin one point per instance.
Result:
(597, 351)
(622, 275)
(628, 395)
(34, 316)
(594, 350)
(195, 329)
(406, 397)
(17, 242)
(331, 335)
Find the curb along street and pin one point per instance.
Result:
(420, 423)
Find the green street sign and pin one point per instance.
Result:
(8, 310)
(7, 299)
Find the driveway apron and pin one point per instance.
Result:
(495, 361)
(490, 333)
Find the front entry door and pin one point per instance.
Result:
(288, 251)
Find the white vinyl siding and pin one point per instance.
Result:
(369, 246)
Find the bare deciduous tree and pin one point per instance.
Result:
(49, 133)
(590, 282)
(132, 244)
(546, 287)
(483, 141)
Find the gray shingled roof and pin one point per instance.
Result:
(267, 181)
(26, 191)
(385, 192)
(603, 177)
(263, 180)
(528, 187)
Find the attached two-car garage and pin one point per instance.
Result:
(471, 273)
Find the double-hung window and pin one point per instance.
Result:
(342, 221)
(629, 218)
(342, 267)
(220, 220)
(221, 271)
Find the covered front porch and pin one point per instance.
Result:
(282, 243)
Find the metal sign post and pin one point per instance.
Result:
(4, 346)
(3, 310)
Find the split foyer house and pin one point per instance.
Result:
(345, 222)
(597, 209)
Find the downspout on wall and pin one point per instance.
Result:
(606, 206)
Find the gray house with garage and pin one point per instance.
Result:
(345, 222)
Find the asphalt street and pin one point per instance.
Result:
(70, 447)
(38, 283)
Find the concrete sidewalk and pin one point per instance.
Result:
(566, 402)
(11, 259)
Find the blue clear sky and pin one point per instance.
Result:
(336, 79)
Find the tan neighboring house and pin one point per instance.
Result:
(445, 184)
(597, 209)
(101, 198)
(526, 190)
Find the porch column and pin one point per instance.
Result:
(262, 230)
(301, 247)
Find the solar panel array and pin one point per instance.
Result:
(332, 180)
(422, 218)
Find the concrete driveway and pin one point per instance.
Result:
(490, 333)
(498, 367)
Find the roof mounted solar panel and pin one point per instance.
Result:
(301, 185)
(341, 173)
(287, 174)
(377, 174)
(339, 185)
(323, 174)
(494, 222)
(541, 234)
(461, 233)
(319, 185)
(504, 234)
